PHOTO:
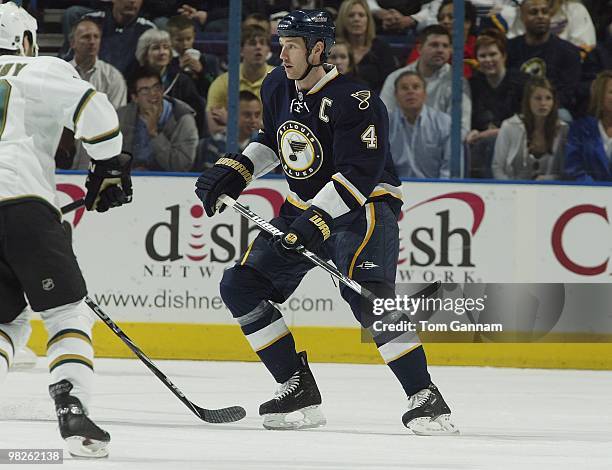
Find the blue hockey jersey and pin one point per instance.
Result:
(331, 142)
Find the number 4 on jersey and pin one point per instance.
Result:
(369, 137)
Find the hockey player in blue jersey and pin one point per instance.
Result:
(330, 136)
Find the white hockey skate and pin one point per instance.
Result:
(428, 414)
(296, 404)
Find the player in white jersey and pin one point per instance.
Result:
(39, 96)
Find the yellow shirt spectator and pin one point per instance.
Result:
(217, 93)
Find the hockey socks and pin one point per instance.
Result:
(280, 358)
(411, 370)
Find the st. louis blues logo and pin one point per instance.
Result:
(363, 97)
(300, 151)
(296, 147)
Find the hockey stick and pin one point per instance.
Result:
(223, 415)
(271, 229)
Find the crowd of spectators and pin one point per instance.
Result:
(537, 79)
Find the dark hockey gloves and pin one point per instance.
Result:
(230, 175)
(308, 231)
(109, 183)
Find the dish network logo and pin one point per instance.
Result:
(162, 240)
(422, 238)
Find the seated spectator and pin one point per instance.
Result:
(211, 20)
(159, 11)
(202, 68)
(158, 130)
(85, 42)
(394, 15)
(496, 91)
(589, 143)
(70, 16)
(261, 20)
(434, 46)
(249, 122)
(419, 136)
(254, 49)
(214, 19)
(601, 14)
(596, 61)
(341, 55)
(531, 146)
(496, 96)
(428, 12)
(121, 25)
(570, 20)
(542, 54)
(373, 57)
(258, 19)
(445, 19)
(154, 50)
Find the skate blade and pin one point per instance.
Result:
(441, 426)
(306, 418)
(81, 447)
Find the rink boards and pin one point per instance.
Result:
(154, 267)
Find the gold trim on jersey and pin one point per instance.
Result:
(328, 77)
(297, 202)
(102, 137)
(340, 178)
(370, 223)
(383, 189)
(87, 96)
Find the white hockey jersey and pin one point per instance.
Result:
(39, 96)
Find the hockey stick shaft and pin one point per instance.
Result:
(136, 350)
(74, 205)
(223, 415)
(332, 270)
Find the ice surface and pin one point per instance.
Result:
(509, 419)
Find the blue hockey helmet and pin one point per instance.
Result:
(312, 25)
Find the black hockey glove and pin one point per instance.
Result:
(109, 183)
(230, 175)
(308, 231)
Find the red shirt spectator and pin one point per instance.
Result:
(445, 19)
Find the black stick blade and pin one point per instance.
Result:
(223, 415)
